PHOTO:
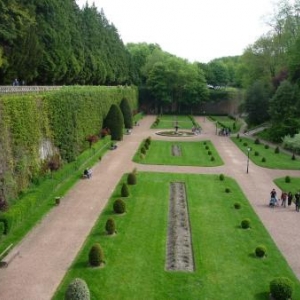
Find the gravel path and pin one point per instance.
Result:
(49, 249)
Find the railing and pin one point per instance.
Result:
(26, 89)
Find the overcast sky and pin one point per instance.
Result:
(197, 30)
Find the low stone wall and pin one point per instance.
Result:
(8, 89)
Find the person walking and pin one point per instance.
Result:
(297, 201)
(283, 197)
(273, 199)
(290, 198)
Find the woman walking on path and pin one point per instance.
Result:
(290, 198)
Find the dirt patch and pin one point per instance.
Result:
(176, 150)
(179, 245)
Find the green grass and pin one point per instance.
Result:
(192, 154)
(56, 185)
(274, 160)
(293, 186)
(168, 122)
(227, 122)
(225, 264)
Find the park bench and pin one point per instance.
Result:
(8, 256)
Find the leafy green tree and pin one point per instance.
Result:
(256, 103)
(115, 122)
(127, 113)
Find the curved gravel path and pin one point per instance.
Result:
(49, 249)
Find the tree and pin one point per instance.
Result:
(127, 113)
(256, 103)
(114, 121)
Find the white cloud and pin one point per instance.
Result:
(192, 29)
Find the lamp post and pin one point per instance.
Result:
(248, 150)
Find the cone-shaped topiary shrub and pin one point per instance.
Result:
(77, 290)
(212, 158)
(115, 122)
(276, 150)
(238, 136)
(287, 179)
(131, 179)
(260, 251)
(256, 153)
(293, 157)
(96, 256)
(281, 288)
(110, 226)
(245, 224)
(257, 141)
(119, 206)
(237, 205)
(222, 177)
(127, 113)
(267, 147)
(124, 190)
(143, 150)
(263, 159)
(207, 147)
(209, 152)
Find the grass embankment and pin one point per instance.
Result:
(53, 185)
(224, 121)
(192, 154)
(292, 186)
(169, 122)
(266, 157)
(225, 264)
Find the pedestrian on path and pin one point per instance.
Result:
(297, 200)
(273, 200)
(290, 198)
(283, 199)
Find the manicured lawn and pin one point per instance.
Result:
(293, 186)
(227, 122)
(192, 154)
(169, 122)
(225, 264)
(273, 160)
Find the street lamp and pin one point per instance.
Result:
(248, 150)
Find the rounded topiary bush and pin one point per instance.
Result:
(77, 290)
(245, 144)
(131, 179)
(287, 179)
(110, 226)
(207, 147)
(276, 150)
(245, 224)
(281, 288)
(256, 153)
(96, 256)
(222, 177)
(204, 143)
(119, 206)
(267, 146)
(227, 190)
(124, 190)
(212, 159)
(263, 159)
(260, 251)
(257, 141)
(209, 152)
(237, 205)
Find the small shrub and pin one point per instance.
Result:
(276, 150)
(110, 226)
(257, 141)
(293, 157)
(204, 143)
(227, 190)
(146, 146)
(245, 224)
(263, 159)
(143, 150)
(241, 140)
(267, 146)
(260, 251)
(209, 152)
(148, 140)
(77, 290)
(234, 126)
(212, 159)
(287, 179)
(222, 177)
(245, 144)
(237, 205)
(100, 157)
(238, 136)
(131, 179)
(124, 190)
(119, 206)
(256, 153)
(207, 147)
(281, 288)
(96, 256)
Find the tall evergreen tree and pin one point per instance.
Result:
(115, 122)
(127, 113)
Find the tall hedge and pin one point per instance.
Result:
(115, 122)
(127, 113)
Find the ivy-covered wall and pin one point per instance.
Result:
(62, 118)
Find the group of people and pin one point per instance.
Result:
(225, 131)
(196, 130)
(285, 199)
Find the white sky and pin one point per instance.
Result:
(192, 29)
